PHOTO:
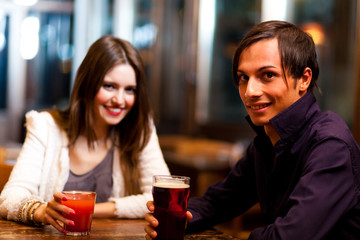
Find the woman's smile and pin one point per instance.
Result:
(114, 111)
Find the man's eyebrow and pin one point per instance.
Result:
(260, 69)
(266, 67)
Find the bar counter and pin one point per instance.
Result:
(101, 229)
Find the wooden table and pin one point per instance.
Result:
(101, 229)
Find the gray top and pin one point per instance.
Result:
(98, 180)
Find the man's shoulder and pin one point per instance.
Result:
(330, 126)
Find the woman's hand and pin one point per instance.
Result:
(153, 222)
(52, 213)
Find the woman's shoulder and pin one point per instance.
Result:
(39, 119)
(43, 126)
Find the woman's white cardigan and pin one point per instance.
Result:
(42, 168)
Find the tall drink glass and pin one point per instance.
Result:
(83, 203)
(170, 195)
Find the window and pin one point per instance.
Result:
(4, 37)
(333, 26)
(49, 71)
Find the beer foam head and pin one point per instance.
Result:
(170, 183)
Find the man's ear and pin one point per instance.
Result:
(305, 80)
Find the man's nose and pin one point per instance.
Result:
(253, 88)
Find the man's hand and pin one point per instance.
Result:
(153, 222)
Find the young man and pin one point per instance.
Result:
(303, 166)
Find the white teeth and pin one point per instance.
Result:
(257, 107)
(115, 110)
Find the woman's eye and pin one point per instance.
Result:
(108, 86)
(130, 90)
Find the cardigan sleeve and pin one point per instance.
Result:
(151, 162)
(25, 177)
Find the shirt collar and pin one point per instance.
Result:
(289, 122)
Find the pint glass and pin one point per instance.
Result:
(170, 194)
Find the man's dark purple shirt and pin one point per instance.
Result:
(308, 184)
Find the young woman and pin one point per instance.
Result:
(105, 141)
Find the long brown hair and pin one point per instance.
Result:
(132, 134)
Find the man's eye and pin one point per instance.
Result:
(269, 75)
(243, 78)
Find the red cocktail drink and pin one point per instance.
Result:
(170, 199)
(82, 203)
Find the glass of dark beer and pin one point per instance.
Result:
(171, 195)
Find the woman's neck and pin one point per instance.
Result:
(102, 132)
(102, 141)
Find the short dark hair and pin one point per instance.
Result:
(297, 48)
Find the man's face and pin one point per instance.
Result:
(262, 85)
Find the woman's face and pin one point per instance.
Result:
(116, 96)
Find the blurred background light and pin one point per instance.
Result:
(2, 30)
(145, 35)
(316, 31)
(207, 19)
(29, 41)
(274, 11)
(25, 2)
(65, 52)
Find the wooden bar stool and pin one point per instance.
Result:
(5, 169)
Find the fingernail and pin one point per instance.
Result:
(64, 198)
(64, 231)
(71, 223)
(72, 212)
